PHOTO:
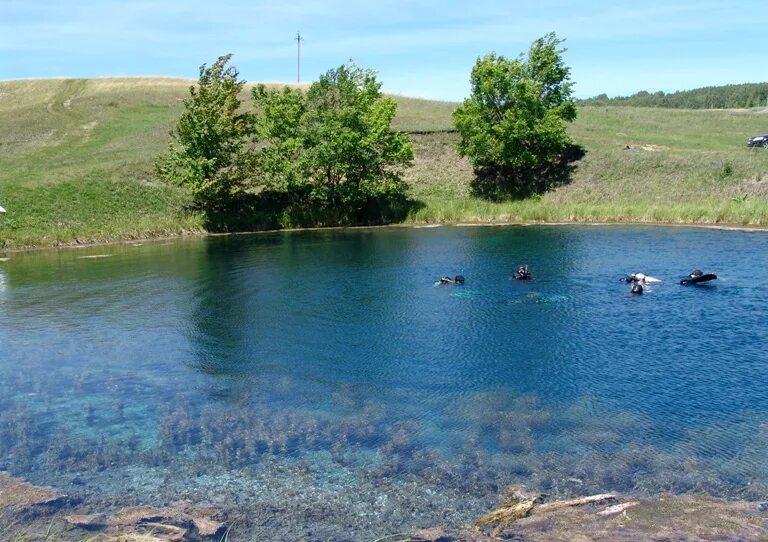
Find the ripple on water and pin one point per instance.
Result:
(330, 362)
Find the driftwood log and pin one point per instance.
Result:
(520, 503)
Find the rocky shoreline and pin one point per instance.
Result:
(29, 512)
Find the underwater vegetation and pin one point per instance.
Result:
(268, 465)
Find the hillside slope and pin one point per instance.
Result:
(76, 164)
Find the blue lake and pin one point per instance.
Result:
(318, 385)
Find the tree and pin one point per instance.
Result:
(512, 127)
(206, 152)
(333, 146)
(279, 123)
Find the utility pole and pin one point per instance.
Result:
(298, 39)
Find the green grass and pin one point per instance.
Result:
(682, 167)
(77, 161)
(679, 159)
(76, 165)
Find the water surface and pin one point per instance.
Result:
(318, 385)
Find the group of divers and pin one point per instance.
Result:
(638, 281)
(522, 273)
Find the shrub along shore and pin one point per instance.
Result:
(77, 166)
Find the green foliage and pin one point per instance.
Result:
(206, 149)
(742, 96)
(512, 126)
(279, 130)
(351, 154)
(332, 149)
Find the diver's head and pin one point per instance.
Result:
(459, 279)
(637, 288)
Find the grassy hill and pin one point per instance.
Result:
(76, 165)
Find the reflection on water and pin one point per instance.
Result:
(266, 374)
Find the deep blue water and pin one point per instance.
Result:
(326, 367)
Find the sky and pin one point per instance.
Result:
(418, 48)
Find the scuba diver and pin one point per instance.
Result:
(639, 278)
(522, 273)
(696, 276)
(637, 288)
(458, 279)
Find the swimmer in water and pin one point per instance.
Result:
(458, 279)
(640, 278)
(697, 276)
(522, 273)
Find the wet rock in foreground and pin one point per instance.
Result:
(21, 501)
(614, 518)
(683, 519)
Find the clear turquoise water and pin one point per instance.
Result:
(318, 385)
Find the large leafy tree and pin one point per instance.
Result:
(206, 152)
(279, 132)
(333, 146)
(512, 127)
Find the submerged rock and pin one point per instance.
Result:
(206, 526)
(20, 495)
(434, 534)
(177, 523)
(160, 531)
(134, 515)
(169, 524)
(140, 537)
(87, 521)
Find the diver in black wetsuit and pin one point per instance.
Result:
(458, 279)
(522, 273)
(696, 276)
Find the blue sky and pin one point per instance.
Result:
(419, 48)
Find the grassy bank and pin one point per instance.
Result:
(76, 165)
(681, 167)
(76, 161)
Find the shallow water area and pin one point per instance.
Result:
(318, 385)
